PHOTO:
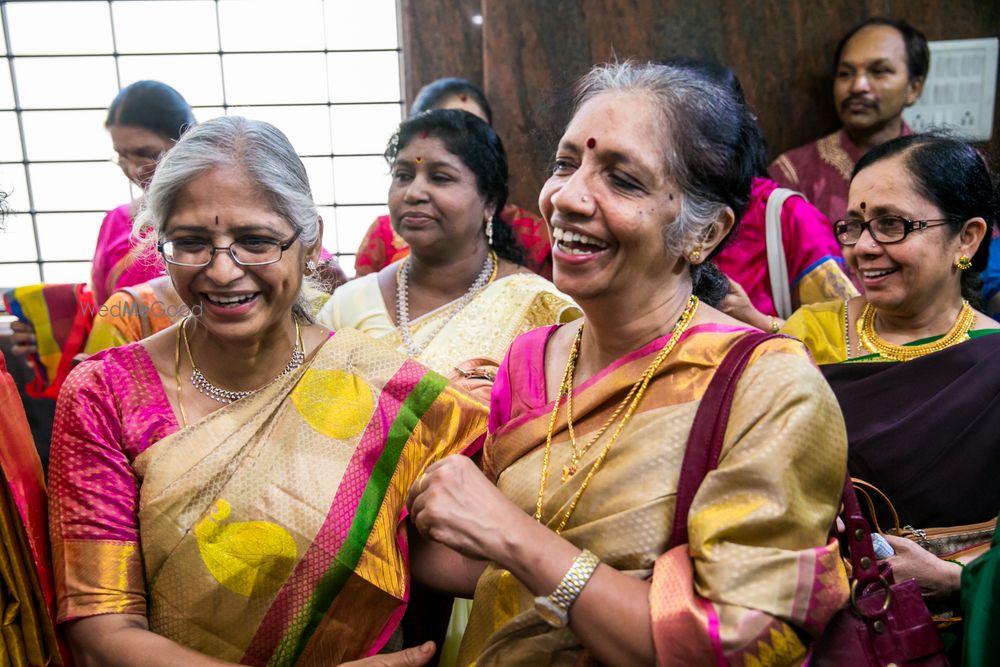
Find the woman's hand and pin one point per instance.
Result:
(738, 305)
(937, 578)
(453, 503)
(121, 640)
(24, 340)
(408, 657)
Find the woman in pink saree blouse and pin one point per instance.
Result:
(145, 119)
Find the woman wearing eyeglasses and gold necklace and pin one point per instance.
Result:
(205, 482)
(922, 211)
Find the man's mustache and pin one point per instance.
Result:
(871, 104)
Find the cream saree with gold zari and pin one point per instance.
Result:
(484, 328)
(267, 533)
(759, 572)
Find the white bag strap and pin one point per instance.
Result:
(777, 266)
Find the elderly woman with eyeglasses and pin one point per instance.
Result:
(230, 489)
(922, 422)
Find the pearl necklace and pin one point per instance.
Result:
(205, 386)
(410, 346)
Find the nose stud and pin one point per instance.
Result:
(584, 199)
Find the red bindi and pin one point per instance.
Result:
(863, 206)
(216, 219)
(420, 160)
(423, 135)
(465, 98)
(591, 142)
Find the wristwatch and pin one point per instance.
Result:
(554, 609)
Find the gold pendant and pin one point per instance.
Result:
(567, 472)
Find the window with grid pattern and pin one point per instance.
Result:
(325, 72)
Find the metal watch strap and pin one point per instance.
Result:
(576, 578)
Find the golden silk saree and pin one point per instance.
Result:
(267, 533)
(759, 573)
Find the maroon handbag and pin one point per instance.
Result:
(886, 622)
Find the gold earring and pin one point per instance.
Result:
(695, 255)
(963, 263)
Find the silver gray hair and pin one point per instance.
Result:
(259, 150)
(704, 125)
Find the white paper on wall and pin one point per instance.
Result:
(960, 91)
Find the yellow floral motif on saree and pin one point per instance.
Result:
(250, 558)
(269, 531)
(339, 419)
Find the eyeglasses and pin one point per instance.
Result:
(135, 160)
(883, 229)
(249, 251)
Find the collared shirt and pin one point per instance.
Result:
(821, 170)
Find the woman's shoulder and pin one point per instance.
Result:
(821, 327)
(352, 303)
(109, 375)
(125, 358)
(545, 303)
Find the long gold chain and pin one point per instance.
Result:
(868, 336)
(632, 400)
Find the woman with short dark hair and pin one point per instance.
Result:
(382, 246)
(462, 291)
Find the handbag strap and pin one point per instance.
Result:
(777, 265)
(866, 489)
(864, 564)
(709, 429)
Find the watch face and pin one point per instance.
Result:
(550, 612)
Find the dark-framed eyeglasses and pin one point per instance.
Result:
(249, 251)
(883, 228)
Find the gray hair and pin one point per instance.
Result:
(706, 128)
(259, 150)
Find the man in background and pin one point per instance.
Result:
(881, 65)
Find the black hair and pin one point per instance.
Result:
(711, 284)
(953, 176)
(918, 55)
(152, 106)
(725, 77)
(436, 92)
(477, 145)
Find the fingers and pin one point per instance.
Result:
(899, 543)
(416, 489)
(21, 327)
(410, 657)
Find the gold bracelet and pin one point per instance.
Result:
(775, 325)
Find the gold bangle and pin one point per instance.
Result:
(775, 325)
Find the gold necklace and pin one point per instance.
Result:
(868, 336)
(632, 399)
